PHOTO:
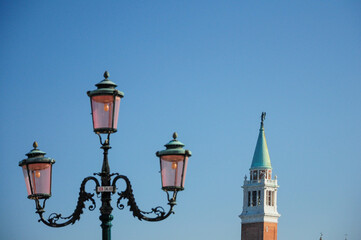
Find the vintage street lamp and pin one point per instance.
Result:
(37, 173)
(105, 103)
(173, 165)
(37, 170)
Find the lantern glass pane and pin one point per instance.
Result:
(172, 170)
(39, 176)
(102, 107)
(116, 111)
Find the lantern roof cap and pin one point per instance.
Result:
(36, 156)
(174, 147)
(106, 83)
(106, 87)
(174, 143)
(261, 159)
(35, 152)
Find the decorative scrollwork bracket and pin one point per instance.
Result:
(84, 196)
(159, 212)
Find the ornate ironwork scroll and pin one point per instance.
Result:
(84, 196)
(159, 212)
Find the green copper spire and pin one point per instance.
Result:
(261, 159)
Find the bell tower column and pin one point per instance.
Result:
(260, 216)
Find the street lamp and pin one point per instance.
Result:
(173, 165)
(105, 103)
(37, 169)
(37, 174)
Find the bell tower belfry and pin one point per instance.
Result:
(259, 216)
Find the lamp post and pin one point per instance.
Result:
(37, 169)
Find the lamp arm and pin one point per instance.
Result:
(128, 194)
(83, 197)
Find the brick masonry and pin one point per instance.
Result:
(259, 231)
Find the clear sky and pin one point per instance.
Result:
(206, 69)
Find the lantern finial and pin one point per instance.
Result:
(175, 135)
(106, 74)
(35, 144)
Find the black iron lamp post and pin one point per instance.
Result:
(37, 169)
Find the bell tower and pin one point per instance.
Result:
(259, 216)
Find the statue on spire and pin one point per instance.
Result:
(263, 117)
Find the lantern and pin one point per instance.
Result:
(37, 171)
(105, 101)
(173, 165)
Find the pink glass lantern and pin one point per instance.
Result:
(37, 171)
(173, 164)
(105, 102)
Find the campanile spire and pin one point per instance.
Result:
(261, 159)
(260, 216)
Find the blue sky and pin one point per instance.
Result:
(206, 69)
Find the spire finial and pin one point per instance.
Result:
(35, 144)
(106, 74)
(263, 117)
(175, 135)
(321, 236)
